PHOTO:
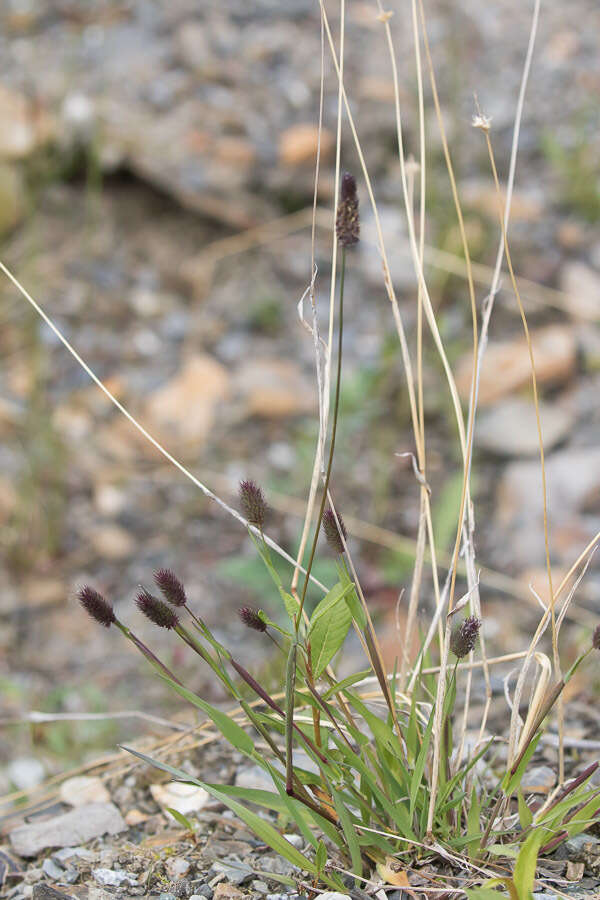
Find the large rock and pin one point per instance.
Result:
(573, 478)
(83, 789)
(506, 366)
(68, 830)
(510, 428)
(186, 406)
(582, 284)
(298, 145)
(274, 389)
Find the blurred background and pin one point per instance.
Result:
(143, 148)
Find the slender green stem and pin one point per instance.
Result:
(290, 690)
(332, 444)
(147, 652)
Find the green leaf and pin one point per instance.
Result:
(290, 603)
(420, 763)
(347, 682)
(264, 831)
(183, 820)
(230, 730)
(473, 823)
(269, 800)
(511, 782)
(336, 595)
(356, 608)
(321, 857)
(525, 814)
(524, 873)
(349, 831)
(328, 633)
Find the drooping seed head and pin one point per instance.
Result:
(96, 606)
(251, 618)
(156, 610)
(170, 587)
(464, 636)
(347, 224)
(332, 533)
(253, 503)
(596, 638)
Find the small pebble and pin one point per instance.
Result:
(52, 870)
(113, 877)
(177, 867)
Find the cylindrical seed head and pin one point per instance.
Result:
(251, 618)
(253, 503)
(156, 610)
(464, 636)
(347, 224)
(332, 533)
(170, 587)
(96, 606)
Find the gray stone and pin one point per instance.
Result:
(177, 867)
(539, 780)
(580, 847)
(68, 830)
(66, 853)
(510, 428)
(235, 871)
(113, 877)
(205, 891)
(45, 892)
(278, 865)
(52, 870)
(296, 840)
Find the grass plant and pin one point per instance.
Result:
(375, 768)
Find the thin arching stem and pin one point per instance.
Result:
(331, 445)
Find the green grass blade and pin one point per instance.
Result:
(230, 730)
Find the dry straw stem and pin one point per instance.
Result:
(415, 587)
(323, 379)
(555, 654)
(465, 494)
(390, 289)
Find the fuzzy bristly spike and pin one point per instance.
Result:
(347, 224)
(96, 606)
(464, 636)
(253, 503)
(332, 533)
(596, 638)
(170, 587)
(156, 610)
(251, 618)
